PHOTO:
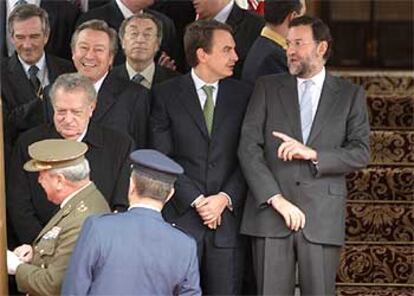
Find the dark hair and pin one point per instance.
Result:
(152, 184)
(199, 34)
(320, 31)
(141, 16)
(275, 11)
(97, 25)
(26, 11)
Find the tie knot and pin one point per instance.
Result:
(33, 70)
(208, 89)
(307, 84)
(137, 78)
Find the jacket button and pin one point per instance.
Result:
(41, 251)
(212, 165)
(297, 183)
(43, 266)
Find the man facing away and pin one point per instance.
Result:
(136, 252)
(64, 175)
(302, 133)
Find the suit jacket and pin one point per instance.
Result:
(339, 134)
(265, 57)
(22, 109)
(178, 129)
(161, 73)
(124, 106)
(53, 246)
(246, 28)
(62, 18)
(111, 14)
(144, 255)
(27, 204)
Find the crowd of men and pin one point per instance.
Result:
(237, 136)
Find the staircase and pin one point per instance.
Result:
(378, 257)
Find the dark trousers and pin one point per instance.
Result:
(221, 269)
(275, 260)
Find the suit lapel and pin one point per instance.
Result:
(191, 103)
(288, 95)
(16, 70)
(235, 17)
(106, 98)
(326, 104)
(222, 107)
(52, 68)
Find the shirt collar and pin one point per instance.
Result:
(41, 64)
(147, 73)
(274, 36)
(141, 205)
(317, 79)
(223, 14)
(70, 196)
(124, 10)
(199, 83)
(98, 83)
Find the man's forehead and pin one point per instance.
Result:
(299, 32)
(141, 23)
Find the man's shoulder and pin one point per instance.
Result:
(41, 132)
(123, 87)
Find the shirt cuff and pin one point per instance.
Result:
(196, 200)
(230, 203)
(269, 201)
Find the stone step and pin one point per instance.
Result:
(379, 264)
(392, 148)
(382, 184)
(373, 291)
(391, 113)
(379, 222)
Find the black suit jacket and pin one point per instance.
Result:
(211, 166)
(63, 16)
(22, 109)
(161, 73)
(124, 106)
(113, 16)
(246, 28)
(264, 58)
(28, 208)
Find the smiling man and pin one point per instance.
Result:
(196, 120)
(141, 36)
(121, 105)
(74, 99)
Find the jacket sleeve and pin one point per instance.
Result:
(251, 149)
(354, 153)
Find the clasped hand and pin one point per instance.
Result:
(210, 208)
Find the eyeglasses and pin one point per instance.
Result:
(145, 35)
(297, 44)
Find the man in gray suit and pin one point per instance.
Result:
(136, 252)
(301, 134)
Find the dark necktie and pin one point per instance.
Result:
(37, 87)
(137, 78)
(208, 109)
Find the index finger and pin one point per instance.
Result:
(281, 136)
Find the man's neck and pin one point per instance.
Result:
(281, 29)
(139, 66)
(205, 75)
(136, 201)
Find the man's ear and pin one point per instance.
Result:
(322, 48)
(201, 55)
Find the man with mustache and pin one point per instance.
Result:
(141, 36)
(196, 120)
(302, 133)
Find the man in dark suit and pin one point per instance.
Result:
(268, 53)
(28, 71)
(302, 133)
(62, 18)
(117, 10)
(122, 105)
(143, 255)
(245, 24)
(141, 36)
(74, 99)
(196, 119)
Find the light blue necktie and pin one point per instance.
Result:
(306, 110)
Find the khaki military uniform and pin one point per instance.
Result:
(54, 244)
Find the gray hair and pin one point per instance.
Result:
(141, 16)
(71, 82)
(97, 25)
(25, 12)
(74, 173)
